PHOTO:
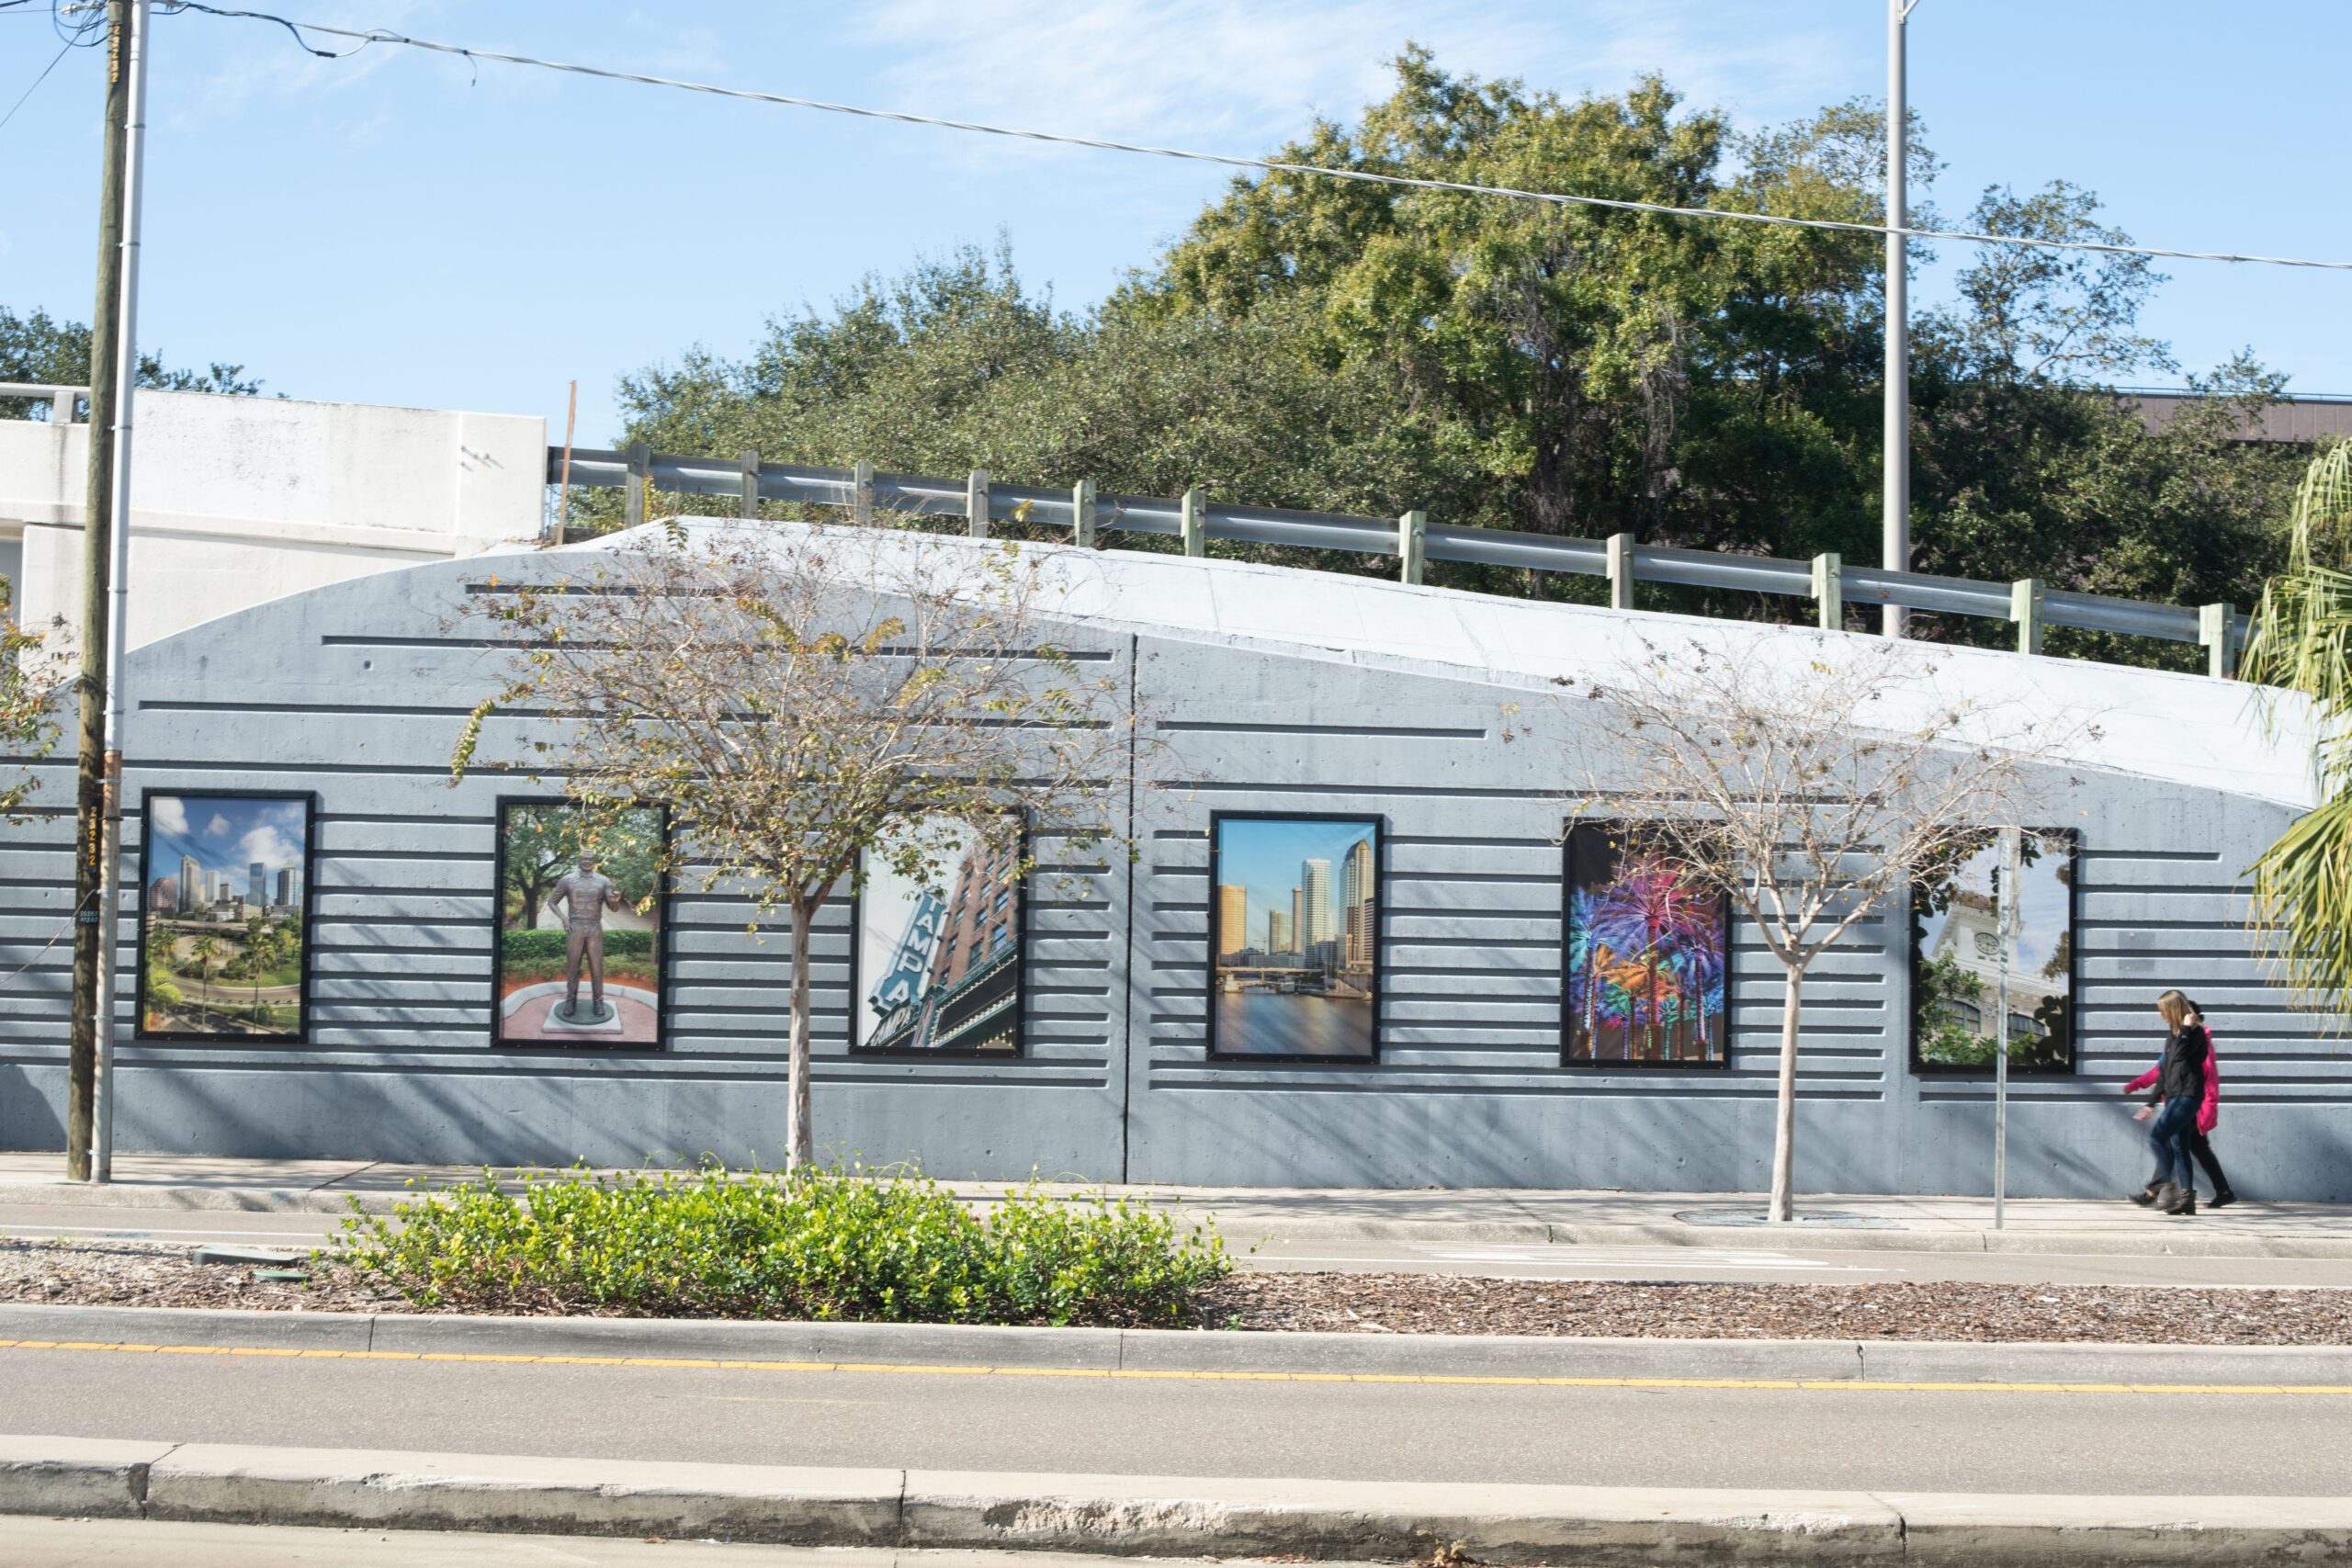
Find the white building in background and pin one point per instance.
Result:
(238, 501)
(1315, 892)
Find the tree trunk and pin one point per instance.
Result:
(1782, 1207)
(802, 1147)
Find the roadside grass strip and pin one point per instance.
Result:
(890, 1368)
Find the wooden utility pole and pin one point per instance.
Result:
(98, 770)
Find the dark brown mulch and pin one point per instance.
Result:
(1949, 1310)
(133, 1274)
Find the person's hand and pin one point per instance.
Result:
(2144, 1113)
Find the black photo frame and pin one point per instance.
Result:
(1015, 967)
(1221, 1046)
(584, 1040)
(148, 812)
(2069, 1064)
(1583, 844)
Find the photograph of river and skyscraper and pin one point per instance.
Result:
(1295, 918)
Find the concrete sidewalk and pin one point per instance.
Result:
(1244, 1216)
(1164, 1516)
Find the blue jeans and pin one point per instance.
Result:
(2168, 1135)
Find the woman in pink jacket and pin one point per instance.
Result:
(2209, 1112)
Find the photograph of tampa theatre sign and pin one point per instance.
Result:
(1359, 943)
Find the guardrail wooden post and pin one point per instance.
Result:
(1195, 522)
(1829, 592)
(640, 479)
(1412, 543)
(976, 502)
(2213, 631)
(751, 484)
(861, 495)
(1082, 514)
(2025, 609)
(1621, 571)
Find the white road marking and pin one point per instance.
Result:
(151, 1235)
(1673, 1260)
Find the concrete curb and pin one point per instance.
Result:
(1178, 1351)
(2187, 1238)
(1596, 1526)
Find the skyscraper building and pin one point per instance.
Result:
(1278, 937)
(257, 879)
(1314, 892)
(191, 879)
(285, 888)
(1356, 901)
(1297, 925)
(1232, 919)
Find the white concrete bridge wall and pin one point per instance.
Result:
(1273, 691)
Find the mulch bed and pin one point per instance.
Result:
(132, 1274)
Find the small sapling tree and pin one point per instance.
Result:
(812, 701)
(1809, 788)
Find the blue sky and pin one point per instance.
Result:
(224, 833)
(1266, 857)
(404, 229)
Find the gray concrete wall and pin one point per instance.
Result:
(357, 693)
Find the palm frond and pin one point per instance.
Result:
(2302, 643)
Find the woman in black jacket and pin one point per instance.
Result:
(2180, 1091)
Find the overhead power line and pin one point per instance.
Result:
(1270, 165)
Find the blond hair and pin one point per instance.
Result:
(2179, 1010)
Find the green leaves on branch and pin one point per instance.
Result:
(2302, 642)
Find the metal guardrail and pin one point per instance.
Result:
(64, 402)
(1412, 539)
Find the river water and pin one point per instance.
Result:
(1265, 1024)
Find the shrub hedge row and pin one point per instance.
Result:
(845, 1245)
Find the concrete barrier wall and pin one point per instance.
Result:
(357, 692)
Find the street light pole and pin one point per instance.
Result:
(1896, 513)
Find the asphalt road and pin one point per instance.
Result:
(1731, 1262)
(1823, 1437)
(145, 1543)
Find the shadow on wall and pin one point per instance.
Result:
(29, 1120)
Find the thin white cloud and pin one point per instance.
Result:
(273, 849)
(1238, 75)
(218, 827)
(170, 816)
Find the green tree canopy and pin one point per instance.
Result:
(38, 347)
(1340, 345)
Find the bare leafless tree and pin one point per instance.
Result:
(1810, 788)
(814, 699)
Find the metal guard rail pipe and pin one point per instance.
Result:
(2219, 627)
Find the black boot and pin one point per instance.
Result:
(2188, 1204)
(2168, 1198)
(2223, 1199)
(2146, 1196)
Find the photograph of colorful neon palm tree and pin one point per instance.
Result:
(1647, 954)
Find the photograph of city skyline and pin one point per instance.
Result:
(1294, 931)
(222, 883)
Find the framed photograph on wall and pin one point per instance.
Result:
(1294, 937)
(940, 928)
(1956, 953)
(1645, 962)
(579, 964)
(224, 903)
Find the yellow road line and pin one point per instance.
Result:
(911, 1368)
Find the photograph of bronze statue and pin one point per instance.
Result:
(579, 926)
